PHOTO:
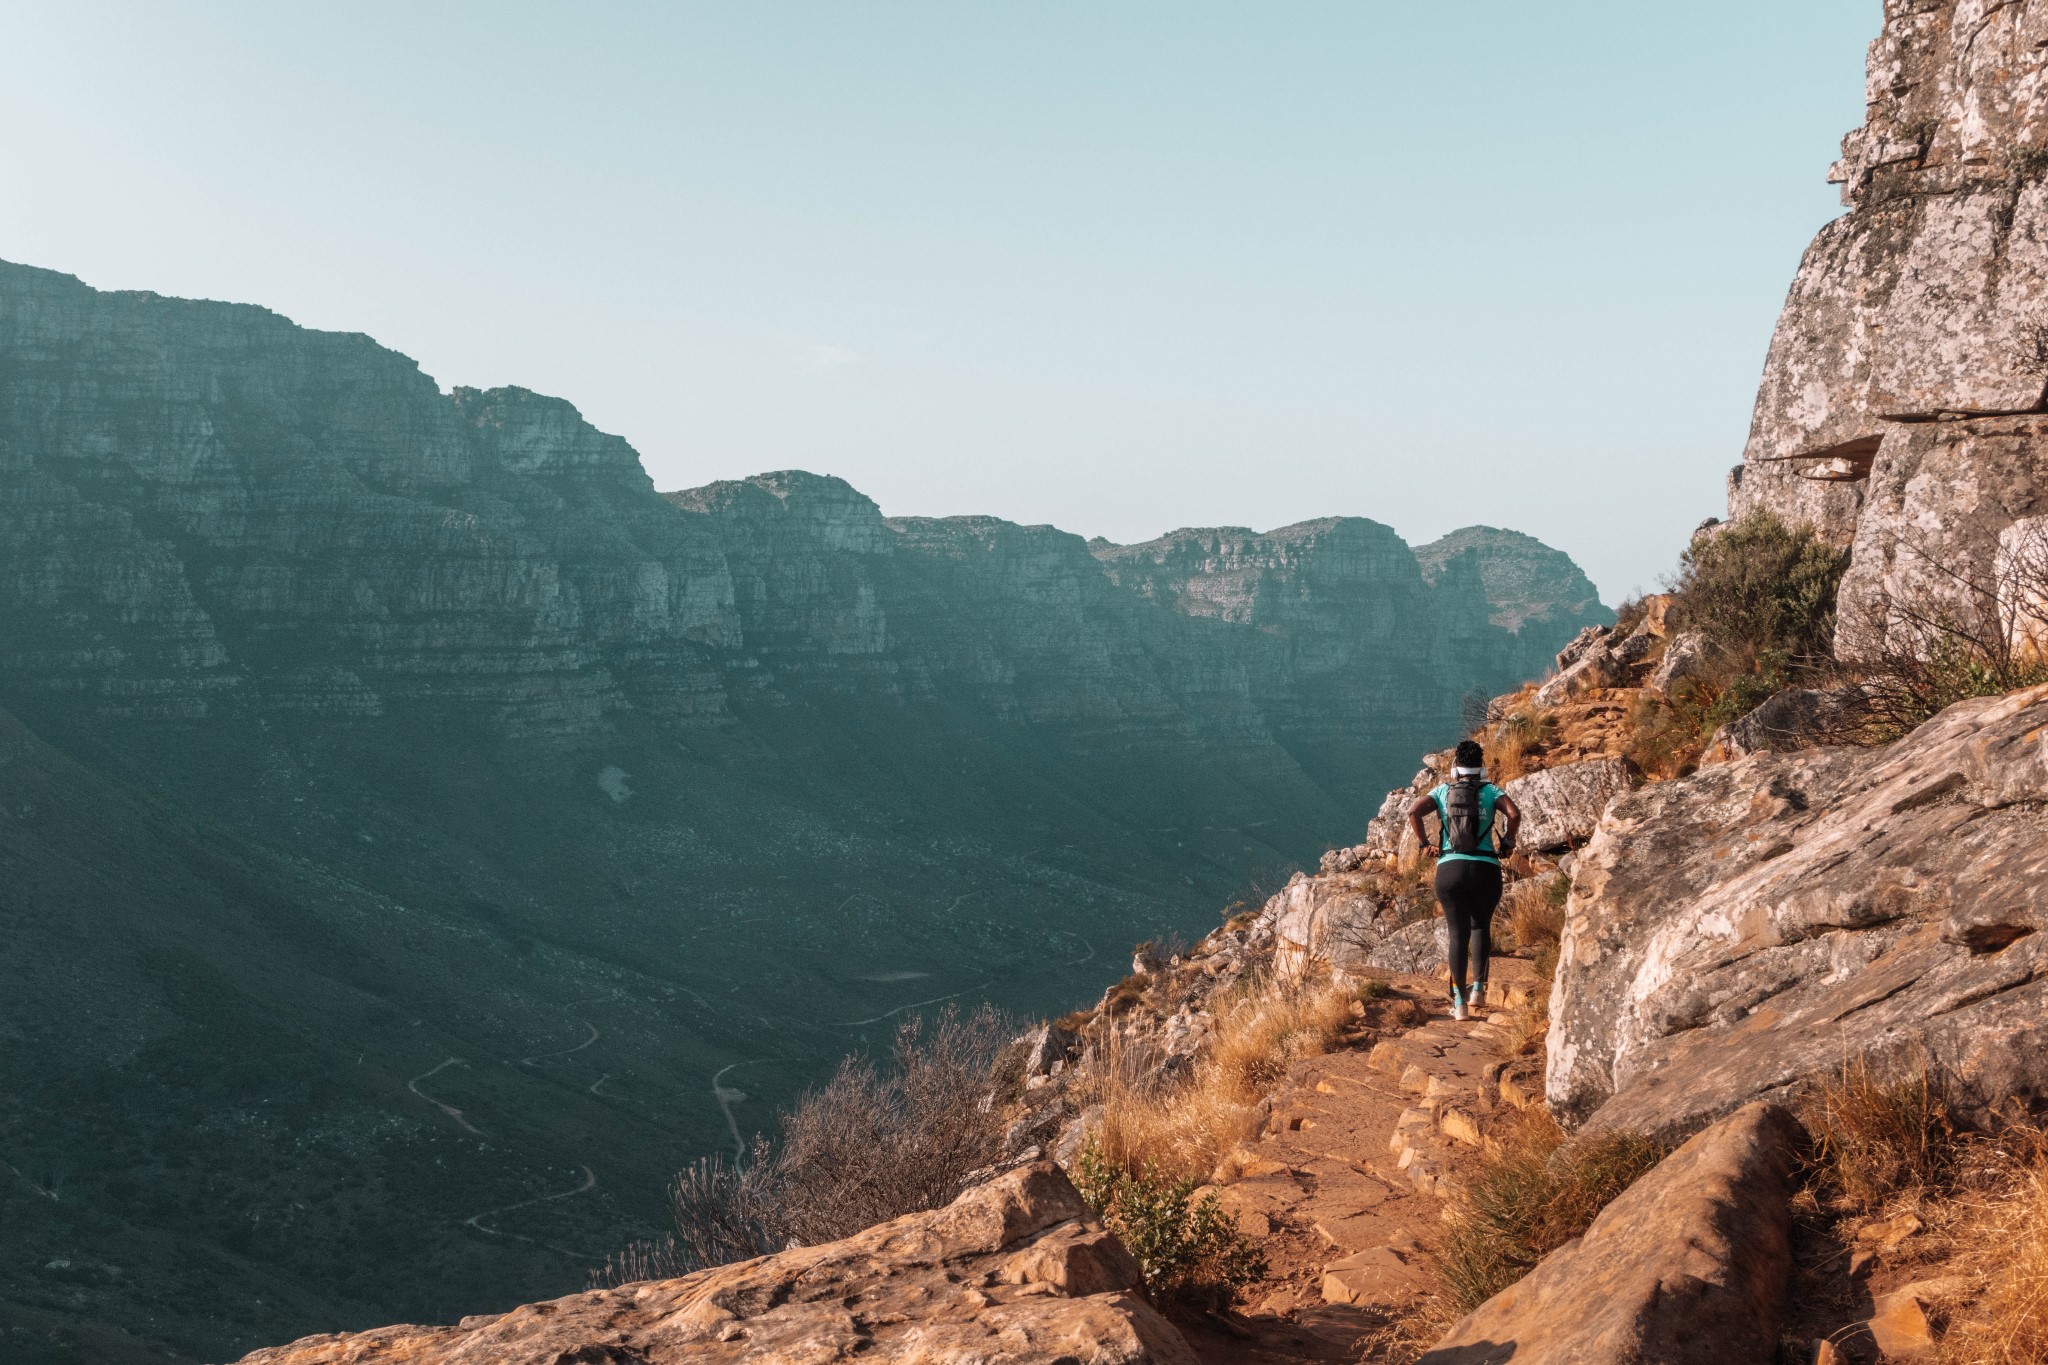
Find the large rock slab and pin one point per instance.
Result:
(1688, 1265)
(1943, 498)
(1014, 1270)
(1561, 806)
(1738, 933)
(1347, 923)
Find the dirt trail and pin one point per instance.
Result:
(1345, 1189)
(450, 1110)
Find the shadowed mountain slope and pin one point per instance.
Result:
(787, 766)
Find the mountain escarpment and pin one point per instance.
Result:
(792, 766)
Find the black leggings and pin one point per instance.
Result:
(1468, 892)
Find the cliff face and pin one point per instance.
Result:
(1918, 325)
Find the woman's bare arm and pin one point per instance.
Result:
(1511, 815)
(1423, 806)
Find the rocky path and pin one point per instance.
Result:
(1345, 1189)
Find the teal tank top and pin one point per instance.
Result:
(1489, 796)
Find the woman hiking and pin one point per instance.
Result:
(1468, 878)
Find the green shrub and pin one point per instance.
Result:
(1189, 1249)
(1535, 1191)
(1764, 594)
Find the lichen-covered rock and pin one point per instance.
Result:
(1688, 655)
(1738, 933)
(1944, 498)
(1797, 718)
(1687, 1267)
(1561, 806)
(1931, 295)
(1015, 1270)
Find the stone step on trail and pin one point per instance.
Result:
(1361, 1147)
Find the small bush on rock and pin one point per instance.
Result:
(1189, 1249)
(873, 1143)
(1763, 593)
(1532, 1193)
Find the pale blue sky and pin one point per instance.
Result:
(1117, 266)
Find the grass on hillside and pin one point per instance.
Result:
(1184, 1128)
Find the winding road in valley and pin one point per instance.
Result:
(450, 1110)
(477, 1220)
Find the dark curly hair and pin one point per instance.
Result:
(1469, 754)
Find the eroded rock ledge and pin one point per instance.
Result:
(1015, 1270)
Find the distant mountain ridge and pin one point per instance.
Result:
(797, 766)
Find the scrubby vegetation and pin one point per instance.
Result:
(1188, 1248)
(1763, 594)
(1534, 1190)
(1893, 1167)
(874, 1143)
(1512, 740)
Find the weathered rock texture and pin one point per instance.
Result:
(1739, 933)
(1930, 297)
(1014, 1270)
(1686, 1267)
(1945, 499)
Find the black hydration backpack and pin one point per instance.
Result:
(1461, 816)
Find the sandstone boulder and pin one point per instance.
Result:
(1561, 806)
(1336, 921)
(1688, 1265)
(1607, 662)
(1934, 541)
(1014, 1270)
(1738, 933)
(1687, 656)
(1797, 718)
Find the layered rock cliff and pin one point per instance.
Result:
(793, 765)
(1916, 331)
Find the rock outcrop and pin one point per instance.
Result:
(1561, 806)
(1950, 539)
(1915, 336)
(1739, 933)
(1686, 1267)
(1929, 298)
(1015, 1270)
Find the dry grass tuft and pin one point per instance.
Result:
(2009, 1324)
(1409, 1331)
(1533, 1192)
(1183, 1129)
(1881, 1138)
(1515, 743)
(1535, 912)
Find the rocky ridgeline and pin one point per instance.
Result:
(460, 641)
(1015, 1270)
